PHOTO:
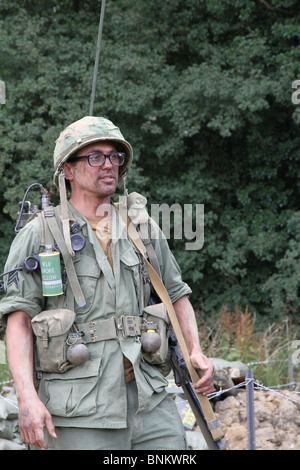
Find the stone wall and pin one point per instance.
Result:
(277, 421)
(9, 430)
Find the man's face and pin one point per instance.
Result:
(101, 181)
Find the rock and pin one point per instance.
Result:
(196, 441)
(230, 403)
(236, 437)
(10, 445)
(265, 435)
(238, 367)
(262, 411)
(277, 421)
(8, 428)
(287, 410)
(8, 406)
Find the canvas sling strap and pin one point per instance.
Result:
(50, 217)
(162, 292)
(64, 214)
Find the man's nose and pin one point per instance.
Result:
(107, 163)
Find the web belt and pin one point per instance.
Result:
(104, 330)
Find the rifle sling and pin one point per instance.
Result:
(162, 292)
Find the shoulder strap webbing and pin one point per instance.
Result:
(135, 207)
(146, 238)
(50, 218)
(162, 292)
(64, 214)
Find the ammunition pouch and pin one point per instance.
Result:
(52, 329)
(56, 330)
(156, 317)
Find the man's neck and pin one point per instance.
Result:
(92, 208)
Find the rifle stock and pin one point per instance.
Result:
(183, 380)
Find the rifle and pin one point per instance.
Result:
(183, 379)
(204, 414)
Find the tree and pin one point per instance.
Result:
(203, 91)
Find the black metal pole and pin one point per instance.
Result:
(250, 409)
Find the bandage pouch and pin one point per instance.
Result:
(52, 328)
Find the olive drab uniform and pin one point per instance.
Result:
(115, 290)
(93, 395)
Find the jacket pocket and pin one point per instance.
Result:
(131, 282)
(153, 377)
(88, 272)
(74, 393)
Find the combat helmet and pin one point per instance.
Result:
(88, 130)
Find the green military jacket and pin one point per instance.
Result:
(94, 394)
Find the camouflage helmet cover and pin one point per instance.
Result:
(86, 131)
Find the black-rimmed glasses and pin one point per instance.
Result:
(99, 158)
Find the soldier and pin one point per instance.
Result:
(114, 398)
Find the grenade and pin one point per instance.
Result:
(77, 354)
(150, 341)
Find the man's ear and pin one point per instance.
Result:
(68, 171)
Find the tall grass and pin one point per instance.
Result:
(235, 335)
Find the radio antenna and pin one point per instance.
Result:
(97, 58)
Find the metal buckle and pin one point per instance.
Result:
(92, 328)
(127, 325)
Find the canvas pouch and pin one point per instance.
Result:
(156, 317)
(52, 329)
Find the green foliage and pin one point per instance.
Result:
(203, 91)
(235, 335)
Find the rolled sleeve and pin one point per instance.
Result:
(23, 291)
